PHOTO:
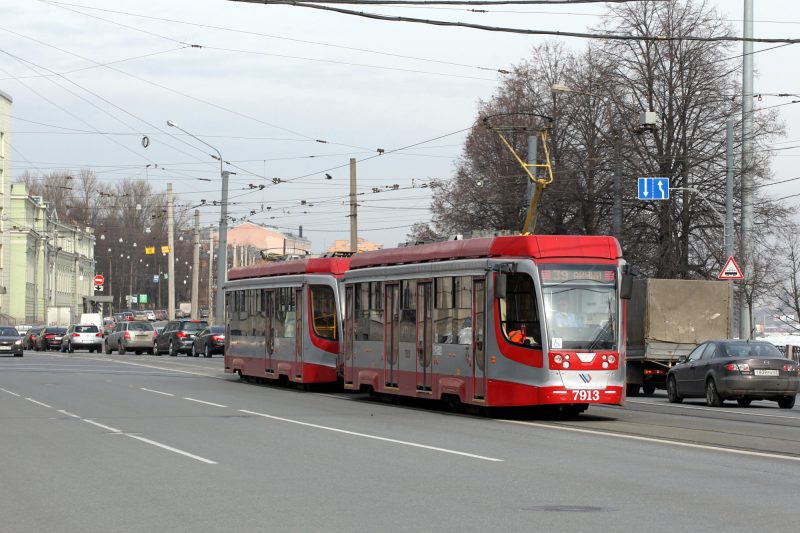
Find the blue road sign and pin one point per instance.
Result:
(653, 188)
(155, 278)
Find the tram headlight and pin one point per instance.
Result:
(612, 359)
(605, 365)
(566, 365)
(558, 359)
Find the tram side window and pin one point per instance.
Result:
(323, 310)
(519, 315)
(288, 301)
(284, 312)
(234, 316)
(376, 311)
(443, 310)
(462, 316)
(362, 311)
(257, 318)
(408, 311)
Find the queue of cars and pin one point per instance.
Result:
(125, 332)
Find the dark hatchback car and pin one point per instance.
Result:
(178, 336)
(49, 338)
(735, 370)
(29, 340)
(10, 341)
(209, 341)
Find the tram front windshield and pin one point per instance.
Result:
(581, 306)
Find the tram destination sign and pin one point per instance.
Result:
(560, 275)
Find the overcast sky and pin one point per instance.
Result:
(262, 84)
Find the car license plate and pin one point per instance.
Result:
(758, 372)
(6, 348)
(56, 338)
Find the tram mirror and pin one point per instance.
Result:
(626, 287)
(500, 285)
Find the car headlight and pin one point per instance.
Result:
(17, 343)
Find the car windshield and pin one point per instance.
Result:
(140, 326)
(56, 330)
(194, 326)
(746, 350)
(8, 332)
(86, 329)
(581, 306)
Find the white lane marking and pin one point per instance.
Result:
(175, 450)
(157, 392)
(39, 403)
(63, 412)
(98, 424)
(375, 437)
(150, 441)
(714, 410)
(11, 393)
(654, 440)
(207, 403)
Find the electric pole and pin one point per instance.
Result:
(196, 267)
(353, 209)
(171, 255)
(745, 329)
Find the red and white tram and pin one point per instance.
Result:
(499, 321)
(283, 320)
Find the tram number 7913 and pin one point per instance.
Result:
(586, 395)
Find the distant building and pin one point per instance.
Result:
(342, 245)
(5, 191)
(248, 242)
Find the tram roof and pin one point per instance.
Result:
(533, 246)
(316, 265)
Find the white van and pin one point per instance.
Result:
(92, 318)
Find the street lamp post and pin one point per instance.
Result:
(222, 248)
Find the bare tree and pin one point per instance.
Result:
(786, 288)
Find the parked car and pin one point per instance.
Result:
(49, 338)
(735, 370)
(135, 336)
(82, 336)
(29, 341)
(151, 315)
(161, 314)
(209, 341)
(177, 336)
(10, 341)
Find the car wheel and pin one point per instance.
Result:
(155, 348)
(208, 351)
(121, 349)
(70, 349)
(744, 402)
(713, 398)
(172, 352)
(194, 351)
(787, 402)
(138, 352)
(672, 391)
(108, 348)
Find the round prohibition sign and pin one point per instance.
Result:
(99, 279)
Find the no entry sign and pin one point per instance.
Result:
(99, 279)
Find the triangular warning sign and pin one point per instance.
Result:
(731, 270)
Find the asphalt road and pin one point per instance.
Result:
(142, 443)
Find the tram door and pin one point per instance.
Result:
(269, 330)
(479, 339)
(299, 332)
(391, 348)
(424, 335)
(349, 334)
